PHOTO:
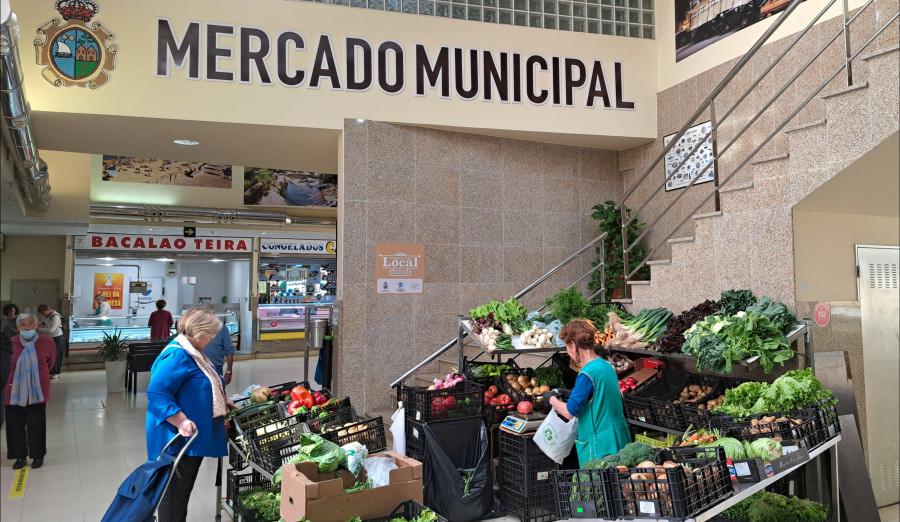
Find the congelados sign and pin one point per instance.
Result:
(293, 60)
(275, 246)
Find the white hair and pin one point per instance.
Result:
(22, 317)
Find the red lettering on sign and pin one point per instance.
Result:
(151, 243)
(165, 243)
(126, 242)
(209, 244)
(111, 243)
(96, 241)
(229, 244)
(180, 243)
(139, 243)
(242, 245)
(198, 244)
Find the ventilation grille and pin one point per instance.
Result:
(890, 478)
(883, 275)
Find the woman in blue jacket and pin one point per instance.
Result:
(595, 399)
(187, 394)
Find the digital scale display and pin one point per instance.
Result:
(519, 424)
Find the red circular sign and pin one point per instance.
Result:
(273, 324)
(822, 314)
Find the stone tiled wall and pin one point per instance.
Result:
(494, 215)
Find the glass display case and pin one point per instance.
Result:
(89, 330)
(281, 321)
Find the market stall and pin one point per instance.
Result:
(707, 443)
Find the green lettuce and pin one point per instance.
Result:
(780, 315)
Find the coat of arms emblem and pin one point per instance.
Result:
(75, 51)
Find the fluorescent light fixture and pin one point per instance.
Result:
(360, 120)
(189, 143)
(163, 259)
(108, 264)
(108, 258)
(217, 260)
(287, 220)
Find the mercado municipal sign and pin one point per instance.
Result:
(291, 59)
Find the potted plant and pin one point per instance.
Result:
(609, 220)
(112, 351)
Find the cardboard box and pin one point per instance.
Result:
(320, 497)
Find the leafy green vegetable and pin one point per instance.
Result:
(568, 304)
(780, 315)
(599, 314)
(734, 301)
(550, 376)
(766, 449)
(631, 455)
(511, 314)
(649, 324)
(734, 450)
(426, 516)
(314, 448)
(466, 475)
(718, 341)
(359, 486)
(772, 507)
(490, 370)
(266, 503)
(792, 391)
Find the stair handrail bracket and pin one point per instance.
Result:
(462, 332)
(632, 266)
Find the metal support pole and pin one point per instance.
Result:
(625, 249)
(715, 148)
(460, 334)
(603, 271)
(848, 52)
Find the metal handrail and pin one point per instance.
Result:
(628, 218)
(521, 293)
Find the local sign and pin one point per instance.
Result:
(399, 268)
(296, 246)
(146, 243)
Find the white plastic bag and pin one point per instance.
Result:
(398, 429)
(378, 470)
(356, 454)
(556, 437)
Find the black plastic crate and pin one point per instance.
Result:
(424, 405)
(792, 485)
(494, 414)
(409, 510)
(494, 438)
(277, 388)
(311, 415)
(415, 440)
(368, 432)
(672, 493)
(342, 416)
(507, 386)
(829, 426)
(237, 459)
(247, 422)
(581, 494)
(534, 505)
(640, 405)
(238, 484)
(523, 464)
(469, 366)
(799, 425)
(695, 413)
(272, 450)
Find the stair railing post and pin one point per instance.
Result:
(603, 271)
(625, 246)
(847, 50)
(460, 334)
(715, 147)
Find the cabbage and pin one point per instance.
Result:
(734, 450)
(765, 449)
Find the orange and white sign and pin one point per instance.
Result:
(112, 287)
(399, 268)
(144, 243)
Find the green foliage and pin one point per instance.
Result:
(113, 346)
(266, 503)
(734, 301)
(780, 315)
(550, 376)
(772, 507)
(719, 340)
(568, 304)
(609, 220)
(793, 390)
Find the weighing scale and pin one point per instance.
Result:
(522, 423)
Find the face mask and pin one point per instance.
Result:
(28, 335)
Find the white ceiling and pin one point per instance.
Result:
(869, 186)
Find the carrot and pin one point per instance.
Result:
(694, 437)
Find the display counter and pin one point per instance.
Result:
(280, 321)
(86, 333)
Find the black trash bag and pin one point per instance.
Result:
(451, 446)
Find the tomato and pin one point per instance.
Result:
(449, 403)
(487, 398)
(495, 402)
(524, 407)
(504, 399)
(493, 390)
(299, 393)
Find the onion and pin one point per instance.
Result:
(670, 464)
(646, 464)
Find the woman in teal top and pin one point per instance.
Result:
(595, 399)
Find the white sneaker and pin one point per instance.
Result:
(55, 376)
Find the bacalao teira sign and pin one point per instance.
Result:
(147, 243)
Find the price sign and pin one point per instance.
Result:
(822, 314)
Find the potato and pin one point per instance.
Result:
(516, 386)
(545, 388)
(342, 433)
(510, 377)
(529, 391)
(754, 422)
(694, 387)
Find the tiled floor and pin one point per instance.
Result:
(890, 513)
(95, 440)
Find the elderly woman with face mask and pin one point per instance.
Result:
(27, 394)
(187, 394)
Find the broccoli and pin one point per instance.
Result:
(609, 461)
(634, 453)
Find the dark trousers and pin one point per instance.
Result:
(59, 355)
(5, 363)
(26, 431)
(174, 504)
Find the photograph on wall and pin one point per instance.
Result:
(289, 188)
(112, 287)
(696, 163)
(700, 23)
(166, 172)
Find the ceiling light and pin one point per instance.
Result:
(360, 120)
(187, 142)
(108, 258)
(217, 260)
(108, 264)
(287, 220)
(164, 259)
